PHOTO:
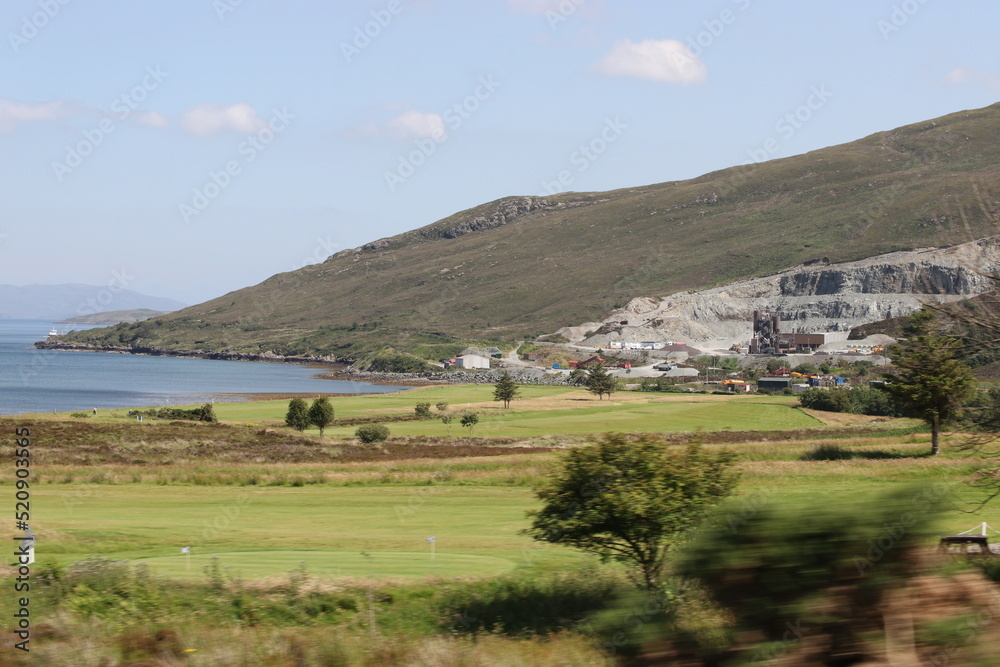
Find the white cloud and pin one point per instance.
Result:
(665, 61)
(152, 119)
(417, 124)
(12, 113)
(977, 77)
(207, 119)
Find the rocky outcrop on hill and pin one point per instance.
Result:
(817, 298)
(503, 212)
(506, 211)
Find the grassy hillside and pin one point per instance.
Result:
(115, 316)
(522, 266)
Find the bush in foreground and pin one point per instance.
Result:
(372, 433)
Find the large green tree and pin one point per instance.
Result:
(929, 378)
(505, 390)
(321, 414)
(298, 414)
(629, 500)
(599, 382)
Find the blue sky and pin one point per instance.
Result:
(199, 146)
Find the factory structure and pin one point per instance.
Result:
(769, 339)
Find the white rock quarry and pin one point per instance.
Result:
(810, 299)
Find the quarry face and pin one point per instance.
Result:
(810, 299)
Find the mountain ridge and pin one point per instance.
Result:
(523, 266)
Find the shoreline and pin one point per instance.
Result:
(154, 351)
(334, 368)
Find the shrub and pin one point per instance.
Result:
(860, 400)
(396, 362)
(79, 415)
(829, 400)
(875, 402)
(827, 453)
(372, 433)
(422, 409)
(442, 406)
(521, 605)
(814, 566)
(205, 413)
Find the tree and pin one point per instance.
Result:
(630, 500)
(321, 414)
(505, 390)
(578, 376)
(446, 419)
(372, 433)
(206, 413)
(469, 421)
(599, 382)
(929, 378)
(298, 414)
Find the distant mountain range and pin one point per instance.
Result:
(523, 266)
(59, 302)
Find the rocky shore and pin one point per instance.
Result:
(341, 369)
(190, 354)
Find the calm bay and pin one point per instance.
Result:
(57, 381)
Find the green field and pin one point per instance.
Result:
(543, 411)
(161, 486)
(267, 531)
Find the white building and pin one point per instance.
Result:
(472, 361)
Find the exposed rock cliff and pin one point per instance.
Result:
(835, 297)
